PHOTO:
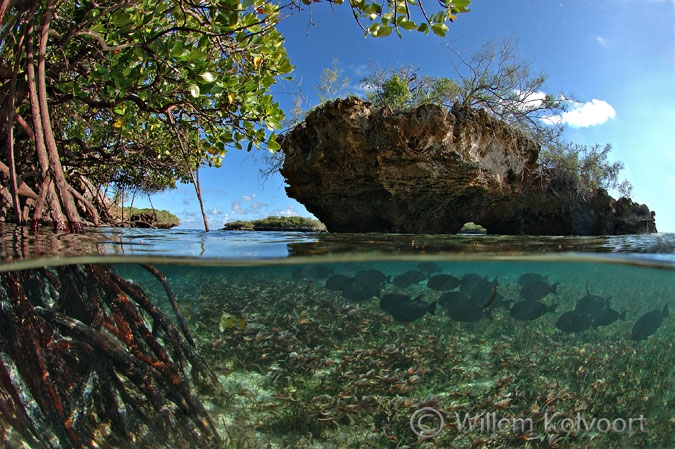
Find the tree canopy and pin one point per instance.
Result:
(142, 93)
(496, 79)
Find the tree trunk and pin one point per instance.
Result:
(65, 196)
(198, 190)
(186, 157)
(47, 194)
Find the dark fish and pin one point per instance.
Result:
(597, 309)
(477, 286)
(404, 309)
(573, 321)
(537, 289)
(529, 278)
(312, 272)
(492, 298)
(338, 282)
(447, 299)
(408, 278)
(371, 277)
(494, 301)
(529, 310)
(499, 301)
(428, 268)
(442, 282)
(590, 304)
(605, 317)
(461, 308)
(648, 323)
(358, 291)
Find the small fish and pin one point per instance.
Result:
(648, 323)
(227, 320)
(573, 321)
(442, 282)
(530, 310)
(404, 309)
(338, 282)
(537, 289)
(408, 278)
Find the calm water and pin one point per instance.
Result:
(319, 341)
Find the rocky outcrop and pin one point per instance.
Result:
(429, 170)
(151, 219)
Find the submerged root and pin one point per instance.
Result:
(86, 360)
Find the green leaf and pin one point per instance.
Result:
(272, 145)
(194, 91)
(439, 29)
(120, 109)
(382, 31)
(458, 6)
(406, 24)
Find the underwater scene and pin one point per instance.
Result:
(384, 348)
(433, 354)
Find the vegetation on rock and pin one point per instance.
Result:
(495, 79)
(151, 218)
(472, 228)
(273, 223)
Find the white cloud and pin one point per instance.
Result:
(582, 115)
(601, 40)
(531, 100)
(288, 212)
(361, 70)
(244, 206)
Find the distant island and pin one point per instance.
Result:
(272, 223)
(142, 218)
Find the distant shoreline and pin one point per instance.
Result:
(292, 224)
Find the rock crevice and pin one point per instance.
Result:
(429, 170)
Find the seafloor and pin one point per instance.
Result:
(303, 367)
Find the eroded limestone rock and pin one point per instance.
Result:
(429, 170)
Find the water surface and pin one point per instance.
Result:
(305, 365)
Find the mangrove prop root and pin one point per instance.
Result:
(86, 360)
(179, 315)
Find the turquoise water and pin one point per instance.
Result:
(300, 363)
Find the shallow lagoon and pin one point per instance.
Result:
(304, 366)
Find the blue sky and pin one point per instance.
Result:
(616, 57)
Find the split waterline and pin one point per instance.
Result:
(303, 361)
